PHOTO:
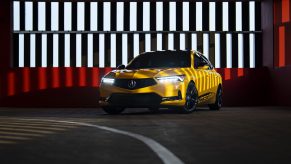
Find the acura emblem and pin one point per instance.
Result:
(131, 84)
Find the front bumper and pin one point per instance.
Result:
(161, 94)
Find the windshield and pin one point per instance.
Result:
(161, 59)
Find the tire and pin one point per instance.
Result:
(113, 110)
(218, 101)
(191, 99)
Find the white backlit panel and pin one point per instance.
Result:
(172, 18)
(16, 16)
(101, 51)
(90, 50)
(106, 16)
(228, 51)
(79, 50)
(185, 16)
(94, 16)
(54, 16)
(146, 25)
(252, 36)
(55, 50)
(159, 24)
(133, 17)
(21, 50)
(119, 16)
(67, 50)
(252, 51)
(240, 51)
(81, 16)
(28, 16)
(113, 50)
(68, 16)
(225, 16)
(32, 50)
(44, 50)
(182, 42)
(206, 45)
(135, 45)
(124, 49)
(212, 16)
(238, 16)
(41, 16)
(217, 50)
(199, 16)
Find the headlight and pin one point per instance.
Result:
(178, 78)
(107, 80)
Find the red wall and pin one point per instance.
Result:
(78, 87)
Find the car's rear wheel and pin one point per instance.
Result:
(113, 110)
(191, 99)
(218, 102)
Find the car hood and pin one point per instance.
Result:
(145, 73)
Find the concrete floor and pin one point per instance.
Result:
(232, 135)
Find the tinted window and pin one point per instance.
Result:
(164, 59)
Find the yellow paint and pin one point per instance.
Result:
(204, 84)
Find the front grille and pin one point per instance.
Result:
(138, 83)
(136, 99)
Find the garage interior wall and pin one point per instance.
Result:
(77, 85)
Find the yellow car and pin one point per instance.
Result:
(180, 79)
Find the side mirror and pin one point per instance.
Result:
(205, 67)
(121, 67)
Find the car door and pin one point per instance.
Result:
(202, 75)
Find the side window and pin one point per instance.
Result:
(200, 61)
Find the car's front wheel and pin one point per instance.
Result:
(191, 98)
(218, 102)
(113, 110)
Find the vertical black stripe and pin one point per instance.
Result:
(154, 42)
(234, 50)
(87, 16)
(15, 49)
(35, 16)
(212, 48)
(73, 50)
(231, 16)
(100, 16)
(192, 16)
(113, 16)
(22, 16)
(95, 50)
(223, 50)
(74, 16)
(38, 46)
(107, 50)
(257, 16)
(118, 49)
(205, 16)
(164, 41)
(61, 50)
(126, 16)
(245, 16)
(130, 47)
(188, 41)
(49, 50)
(176, 41)
(48, 16)
(200, 41)
(84, 54)
(218, 16)
(141, 43)
(27, 50)
(166, 16)
(152, 16)
(179, 16)
(246, 50)
(139, 16)
(61, 16)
